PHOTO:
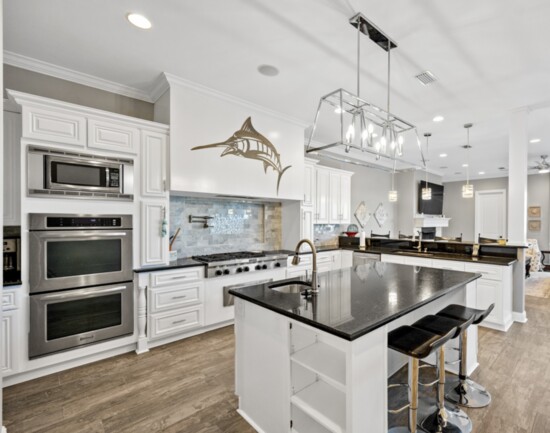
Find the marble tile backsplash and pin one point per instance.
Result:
(327, 234)
(235, 226)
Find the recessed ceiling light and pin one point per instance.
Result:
(458, 172)
(443, 155)
(534, 140)
(443, 167)
(268, 70)
(502, 168)
(464, 165)
(139, 21)
(481, 172)
(438, 118)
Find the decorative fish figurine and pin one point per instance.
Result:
(249, 143)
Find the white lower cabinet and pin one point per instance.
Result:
(10, 331)
(494, 287)
(175, 302)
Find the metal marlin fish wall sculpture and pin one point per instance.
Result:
(249, 143)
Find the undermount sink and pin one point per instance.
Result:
(414, 253)
(291, 287)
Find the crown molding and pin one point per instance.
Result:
(172, 80)
(35, 65)
(159, 87)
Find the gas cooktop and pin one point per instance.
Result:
(223, 264)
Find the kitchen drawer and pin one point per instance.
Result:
(389, 258)
(305, 260)
(175, 322)
(9, 300)
(171, 298)
(177, 276)
(113, 136)
(294, 272)
(489, 272)
(57, 126)
(324, 258)
(448, 264)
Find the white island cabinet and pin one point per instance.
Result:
(302, 368)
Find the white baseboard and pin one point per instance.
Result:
(4, 430)
(498, 327)
(249, 421)
(519, 317)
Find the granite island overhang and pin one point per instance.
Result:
(321, 363)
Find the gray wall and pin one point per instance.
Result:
(34, 83)
(462, 210)
(371, 186)
(538, 194)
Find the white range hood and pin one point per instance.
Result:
(422, 220)
(221, 145)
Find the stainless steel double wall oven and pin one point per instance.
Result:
(81, 288)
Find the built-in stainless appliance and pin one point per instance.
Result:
(81, 273)
(55, 173)
(224, 264)
(12, 255)
(70, 318)
(69, 251)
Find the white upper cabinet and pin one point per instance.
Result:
(322, 196)
(153, 163)
(309, 184)
(12, 168)
(333, 196)
(114, 136)
(54, 125)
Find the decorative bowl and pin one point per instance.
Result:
(350, 234)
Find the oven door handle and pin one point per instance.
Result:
(81, 293)
(89, 234)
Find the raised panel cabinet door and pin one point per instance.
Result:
(307, 223)
(9, 339)
(12, 168)
(309, 185)
(335, 215)
(154, 245)
(322, 187)
(345, 199)
(57, 126)
(489, 292)
(153, 163)
(117, 137)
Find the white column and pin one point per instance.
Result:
(517, 176)
(517, 201)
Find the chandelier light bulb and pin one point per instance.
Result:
(426, 193)
(401, 140)
(392, 196)
(370, 128)
(350, 134)
(467, 190)
(364, 134)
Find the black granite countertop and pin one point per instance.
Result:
(487, 260)
(355, 301)
(186, 262)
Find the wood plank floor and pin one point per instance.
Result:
(188, 387)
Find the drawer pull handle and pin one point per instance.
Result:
(179, 297)
(177, 322)
(86, 338)
(179, 277)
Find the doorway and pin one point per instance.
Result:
(490, 213)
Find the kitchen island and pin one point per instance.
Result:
(320, 364)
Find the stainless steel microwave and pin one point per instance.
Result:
(57, 173)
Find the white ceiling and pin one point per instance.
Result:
(489, 57)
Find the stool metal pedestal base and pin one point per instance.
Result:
(467, 393)
(456, 420)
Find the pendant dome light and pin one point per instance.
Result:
(392, 194)
(467, 188)
(426, 191)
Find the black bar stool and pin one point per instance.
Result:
(416, 344)
(466, 392)
(443, 417)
